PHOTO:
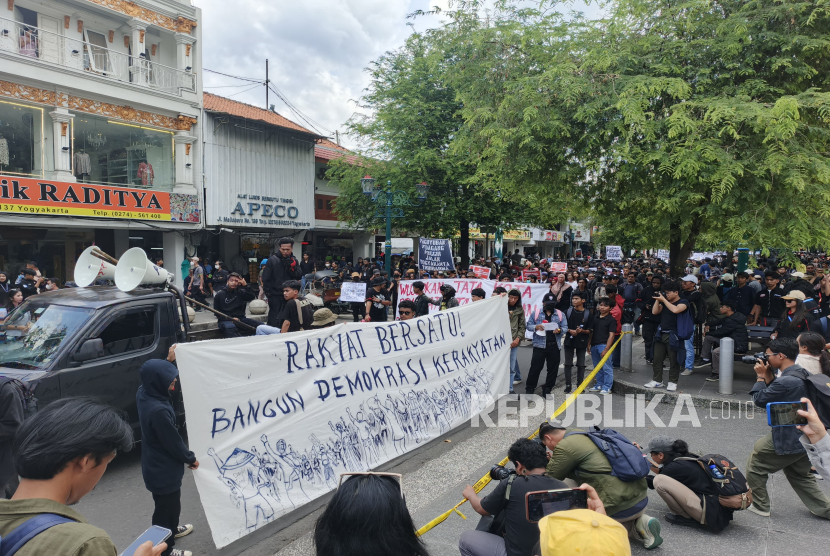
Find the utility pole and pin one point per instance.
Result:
(266, 84)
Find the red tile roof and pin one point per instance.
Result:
(326, 150)
(214, 103)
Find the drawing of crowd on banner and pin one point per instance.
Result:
(271, 479)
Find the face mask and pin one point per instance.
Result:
(48, 286)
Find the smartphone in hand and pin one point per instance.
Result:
(155, 534)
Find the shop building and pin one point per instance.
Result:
(259, 183)
(331, 237)
(99, 118)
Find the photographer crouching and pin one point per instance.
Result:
(508, 531)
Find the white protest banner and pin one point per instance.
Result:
(435, 254)
(481, 272)
(353, 291)
(663, 254)
(531, 299)
(274, 420)
(613, 252)
(559, 267)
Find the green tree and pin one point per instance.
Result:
(413, 118)
(679, 123)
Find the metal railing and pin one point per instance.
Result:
(52, 48)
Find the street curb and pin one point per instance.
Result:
(623, 387)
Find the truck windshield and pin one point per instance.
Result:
(33, 334)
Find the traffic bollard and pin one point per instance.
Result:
(727, 362)
(626, 345)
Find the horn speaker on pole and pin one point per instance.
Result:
(134, 269)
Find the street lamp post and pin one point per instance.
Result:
(396, 199)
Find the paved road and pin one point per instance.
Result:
(434, 478)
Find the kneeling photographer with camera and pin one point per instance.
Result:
(509, 532)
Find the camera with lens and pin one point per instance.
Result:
(499, 472)
(751, 359)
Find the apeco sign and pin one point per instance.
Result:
(259, 209)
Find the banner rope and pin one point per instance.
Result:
(485, 480)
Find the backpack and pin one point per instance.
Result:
(627, 462)
(818, 392)
(685, 324)
(28, 530)
(698, 310)
(733, 489)
(300, 305)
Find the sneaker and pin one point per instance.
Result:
(702, 363)
(649, 362)
(653, 384)
(595, 389)
(815, 474)
(567, 390)
(517, 381)
(638, 333)
(605, 392)
(755, 510)
(680, 520)
(180, 552)
(686, 372)
(671, 387)
(183, 531)
(649, 529)
(714, 377)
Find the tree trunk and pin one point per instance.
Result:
(680, 250)
(464, 243)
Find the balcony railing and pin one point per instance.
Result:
(51, 48)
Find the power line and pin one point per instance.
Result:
(245, 91)
(233, 76)
(307, 119)
(225, 86)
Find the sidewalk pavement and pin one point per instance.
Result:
(702, 391)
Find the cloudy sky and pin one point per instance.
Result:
(317, 50)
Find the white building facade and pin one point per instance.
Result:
(100, 102)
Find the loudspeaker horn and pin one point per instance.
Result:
(90, 268)
(135, 269)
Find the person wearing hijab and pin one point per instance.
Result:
(560, 293)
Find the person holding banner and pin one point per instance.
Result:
(377, 300)
(422, 302)
(517, 328)
(547, 339)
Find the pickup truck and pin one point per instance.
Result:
(91, 342)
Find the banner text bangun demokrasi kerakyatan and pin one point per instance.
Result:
(274, 420)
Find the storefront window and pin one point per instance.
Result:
(113, 153)
(21, 140)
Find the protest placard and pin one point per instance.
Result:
(353, 291)
(435, 254)
(532, 272)
(274, 420)
(663, 254)
(481, 272)
(613, 252)
(558, 267)
(531, 294)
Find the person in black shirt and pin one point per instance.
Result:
(520, 535)
(580, 323)
(28, 286)
(768, 304)
(651, 322)
(742, 295)
(685, 487)
(298, 313)
(795, 319)
(232, 300)
(602, 338)
(220, 277)
(377, 300)
(668, 305)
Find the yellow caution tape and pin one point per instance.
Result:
(485, 480)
